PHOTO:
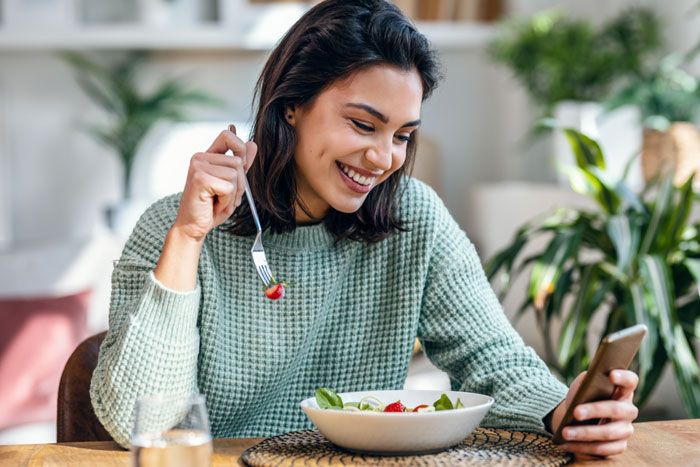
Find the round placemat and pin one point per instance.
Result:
(484, 446)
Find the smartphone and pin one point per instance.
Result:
(615, 352)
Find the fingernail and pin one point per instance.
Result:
(571, 433)
(582, 413)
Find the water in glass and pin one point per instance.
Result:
(171, 432)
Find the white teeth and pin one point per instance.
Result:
(361, 179)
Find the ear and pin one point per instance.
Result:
(290, 115)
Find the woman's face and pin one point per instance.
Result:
(353, 136)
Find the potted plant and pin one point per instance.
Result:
(634, 259)
(131, 112)
(669, 101)
(569, 66)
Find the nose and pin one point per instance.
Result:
(379, 156)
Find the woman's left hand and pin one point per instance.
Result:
(609, 437)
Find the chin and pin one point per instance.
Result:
(348, 206)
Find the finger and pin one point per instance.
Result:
(602, 449)
(210, 185)
(626, 382)
(232, 129)
(614, 410)
(225, 173)
(608, 432)
(240, 189)
(251, 149)
(203, 159)
(251, 152)
(227, 140)
(227, 202)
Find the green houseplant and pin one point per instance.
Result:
(131, 112)
(669, 101)
(665, 94)
(568, 66)
(560, 59)
(634, 259)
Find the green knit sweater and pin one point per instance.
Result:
(348, 321)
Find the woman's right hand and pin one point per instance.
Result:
(215, 185)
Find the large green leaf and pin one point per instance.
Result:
(594, 287)
(677, 218)
(638, 312)
(549, 266)
(506, 257)
(661, 214)
(625, 234)
(563, 287)
(693, 265)
(586, 150)
(629, 199)
(587, 183)
(648, 384)
(657, 285)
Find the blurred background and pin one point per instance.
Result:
(103, 102)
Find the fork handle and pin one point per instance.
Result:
(253, 210)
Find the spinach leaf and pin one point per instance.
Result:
(444, 403)
(328, 399)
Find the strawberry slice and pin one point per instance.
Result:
(275, 292)
(395, 407)
(422, 406)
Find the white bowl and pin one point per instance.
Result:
(399, 433)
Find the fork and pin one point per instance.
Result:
(258, 252)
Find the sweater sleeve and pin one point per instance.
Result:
(152, 343)
(465, 333)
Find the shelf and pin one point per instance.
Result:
(124, 37)
(213, 37)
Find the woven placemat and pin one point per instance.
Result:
(483, 446)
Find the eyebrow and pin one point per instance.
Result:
(383, 118)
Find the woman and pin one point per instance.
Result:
(373, 257)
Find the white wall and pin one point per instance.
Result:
(5, 202)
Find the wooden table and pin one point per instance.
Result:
(671, 443)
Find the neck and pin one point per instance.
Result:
(310, 215)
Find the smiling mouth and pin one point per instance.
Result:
(356, 177)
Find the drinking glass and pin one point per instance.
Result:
(171, 431)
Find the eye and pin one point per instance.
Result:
(362, 126)
(403, 138)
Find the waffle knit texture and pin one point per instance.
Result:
(348, 321)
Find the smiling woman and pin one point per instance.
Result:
(345, 146)
(372, 256)
(331, 106)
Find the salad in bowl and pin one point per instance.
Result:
(396, 422)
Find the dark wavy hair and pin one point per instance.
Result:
(333, 40)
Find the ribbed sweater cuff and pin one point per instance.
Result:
(542, 399)
(167, 312)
